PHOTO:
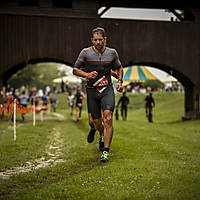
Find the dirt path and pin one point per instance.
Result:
(53, 152)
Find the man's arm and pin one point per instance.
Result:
(89, 75)
(114, 74)
(79, 72)
(119, 72)
(117, 66)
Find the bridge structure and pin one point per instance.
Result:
(55, 31)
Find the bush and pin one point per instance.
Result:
(154, 84)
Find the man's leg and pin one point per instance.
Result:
(125, 109)
(100, 127)
(71, 110)
(150, 114)
(122, 112)
(77, 113)
(91, 134)
(108, 128)
(108, 133)
(80, 110)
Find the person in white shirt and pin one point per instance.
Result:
(71, 102)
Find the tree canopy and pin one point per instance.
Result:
(35, 75)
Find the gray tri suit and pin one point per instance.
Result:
(100, 94)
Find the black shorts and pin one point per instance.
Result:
(97, 101)
(79, 105)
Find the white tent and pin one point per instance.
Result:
(161, 75)
(69, 79)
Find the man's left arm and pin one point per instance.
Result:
(119, 70)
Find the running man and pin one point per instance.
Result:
(97, 61)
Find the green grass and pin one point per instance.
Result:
(154, 161)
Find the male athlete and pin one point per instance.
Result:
(97, 61)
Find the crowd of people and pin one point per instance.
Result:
(26, 97)
(168, 87)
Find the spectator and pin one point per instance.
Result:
(23, 99)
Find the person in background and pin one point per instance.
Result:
(48, 90)
(2, 103)
(70, 102)
(124, 100)
(53, 101)
(62, 86)
(23, 99)
(55, 92)
(79, 102)
(150, 103)
(45, 99)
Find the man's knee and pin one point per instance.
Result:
(108, 117)
(97, 122)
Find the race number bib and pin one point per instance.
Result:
(99, 84)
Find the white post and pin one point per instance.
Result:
(34, 113)
(14, 119)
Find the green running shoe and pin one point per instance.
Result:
(105, 156)
(101, 143)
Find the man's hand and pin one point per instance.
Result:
(92, 75)
(119, 87)
(114, 74)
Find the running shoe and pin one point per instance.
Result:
(90, 137)
(101, 143)
(105, 156)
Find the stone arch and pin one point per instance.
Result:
(22, 65)
(182, 78)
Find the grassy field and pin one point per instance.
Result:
(149, 161)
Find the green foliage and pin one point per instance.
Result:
(37, 75)
(154, 84)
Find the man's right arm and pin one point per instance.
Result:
(89, 75)
(77, 70)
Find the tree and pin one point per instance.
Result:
(154, 84)
(36, 75)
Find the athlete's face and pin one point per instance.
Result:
(98, 41)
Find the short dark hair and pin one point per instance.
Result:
(98, 30)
